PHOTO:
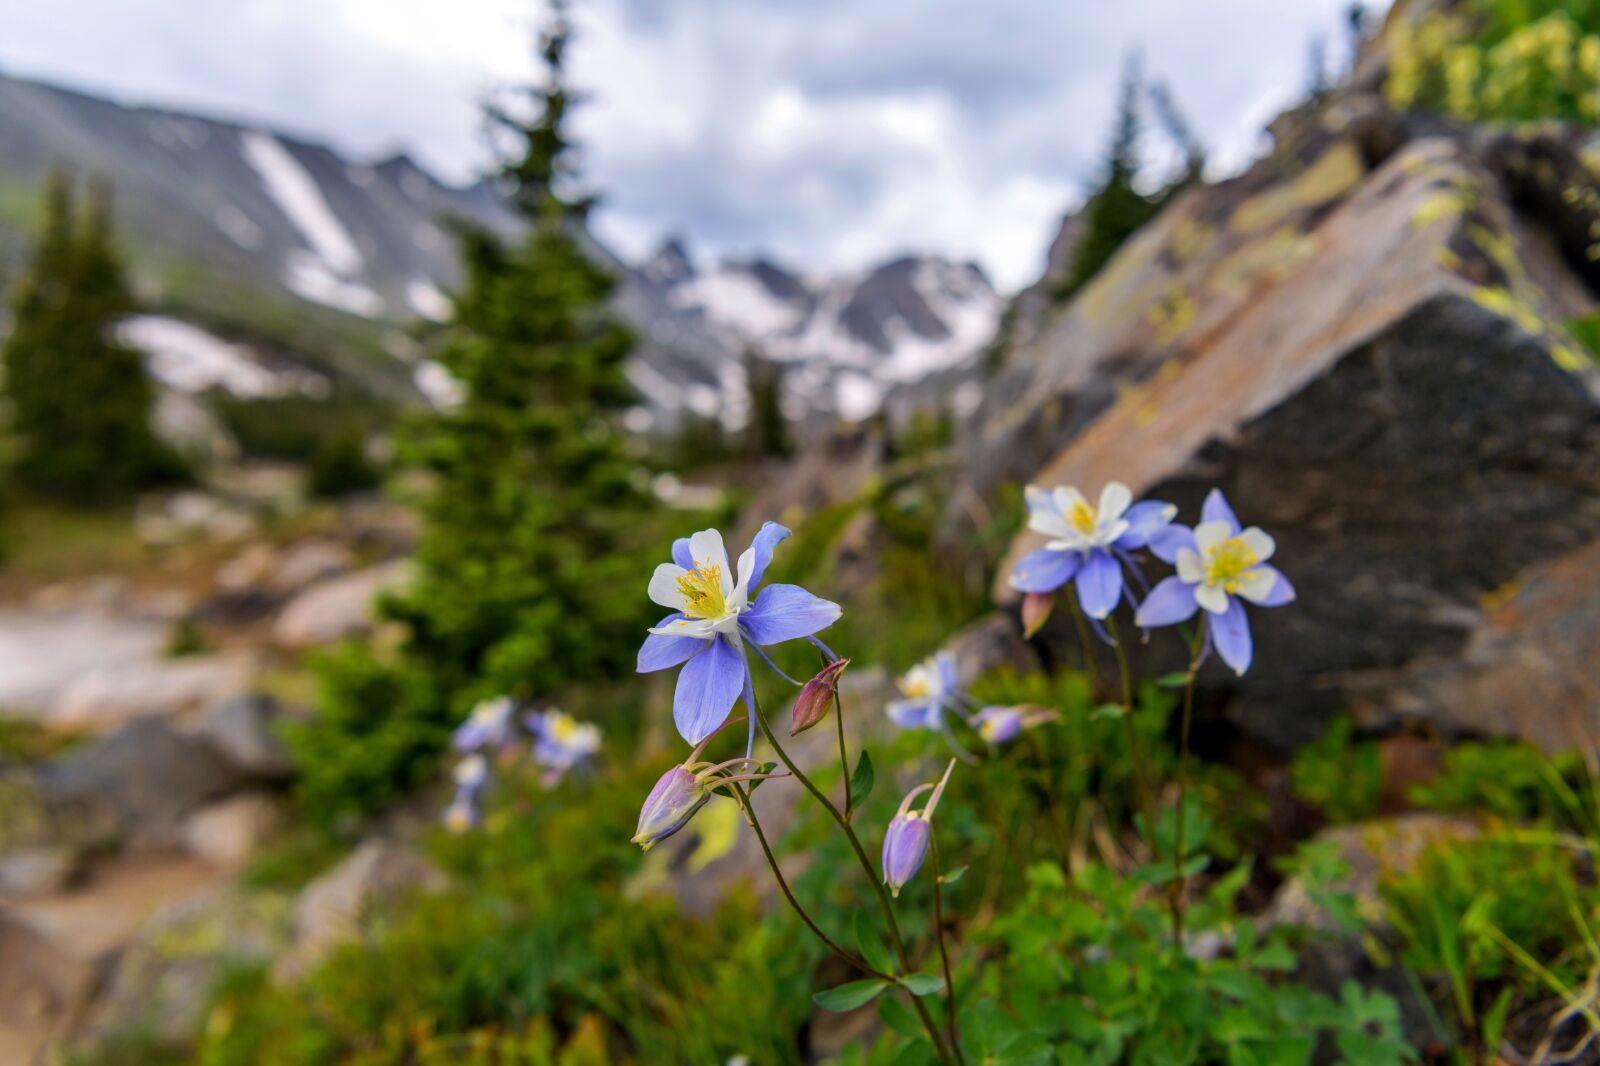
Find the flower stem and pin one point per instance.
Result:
(844, 759)
(866, 865)
(944, 955)
(1180, 882)
(743, 798)
(1141, 781)
(1092, 663)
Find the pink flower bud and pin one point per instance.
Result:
(811, 706)
(671, 803)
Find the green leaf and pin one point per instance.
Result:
(1109, 710)
(923, 984)
(1275, 956)
(850, 996)
(861, 780)
(873, 949)
(953, 876)
(1177, 679)
(900, 1017)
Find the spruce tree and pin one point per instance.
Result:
(532, 559)
(80, 401)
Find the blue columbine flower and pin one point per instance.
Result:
(1088, 544)
(927, 691)
(561, 742)
(905, 843)
(713, 617)
(1002, 725)
(1219, 565)
(488, 726)
(471, 775)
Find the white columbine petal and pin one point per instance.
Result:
(664, 588)
(1211, 597)
(1260, 544)
(1255, 585)
(706, 547)
(1115, 498)
(697, 628)
(1208, 535)
(1190, 571)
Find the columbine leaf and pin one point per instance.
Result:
(1108, 710)
(872, 947)
(850, 996)
(953, 876)
(901, 1018)
(861, 780)
(923, 984)
(1177, 679)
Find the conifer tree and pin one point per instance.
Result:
(531, 559)
(80, 401)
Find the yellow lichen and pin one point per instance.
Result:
(1334, 173)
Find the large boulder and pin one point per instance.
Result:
(140, 782)
(337, 607)
(1360, 341)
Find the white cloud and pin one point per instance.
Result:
(831, 133)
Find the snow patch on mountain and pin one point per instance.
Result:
(297, 194)
(187, 358)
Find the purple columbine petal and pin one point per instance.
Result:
(681, 553)
(1282, 591)
(659, 652)
(787, 612)
(1145, 519)
(829, 652)
(1099, 584)
(905, 845)
(912, 714)
(1216, 509)
(1168, 540)
(768, 538)
(1231, 632)
(707, 688)
(1169, 603)
(945, 663)
(1045, 570)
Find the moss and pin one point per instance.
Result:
(1272, 258)
(1335, 172)
(1172, 314)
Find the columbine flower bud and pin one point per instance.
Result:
(1036, 608)
(998, 725)
(905, 844)
(812, 704)
(670, 805)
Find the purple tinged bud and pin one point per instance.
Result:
(905, 846)
(811, 706)
(1036, 608)
(671, 803)
(999, 725)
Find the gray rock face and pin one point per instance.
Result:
(1360, 342)
(241, 730)
(140, 781)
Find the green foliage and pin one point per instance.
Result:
(80, 400)
(340, 466)
(1339, 774)
(1087, 962)
(534, 544)
(297, 427)
(1513, 781)
(1515, 60)
(539, 952)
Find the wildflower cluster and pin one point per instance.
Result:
(557, 742)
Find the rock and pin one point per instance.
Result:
(140, 781)
(250, 569)
(187, 514)
(242, 731)
(992, 642)
(310, 560)
(44, 651)
(335, 608)
(332, 910)
(44, 990)
(230, 832)
(38, 871)
(162, 980)
(1365, 353)
(108, 696)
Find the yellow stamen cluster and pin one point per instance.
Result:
(1229, 561)
(1082, 518)
(561, 726)
(702, 591)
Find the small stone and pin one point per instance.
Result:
(229, 833)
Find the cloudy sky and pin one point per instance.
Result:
(827, 133)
